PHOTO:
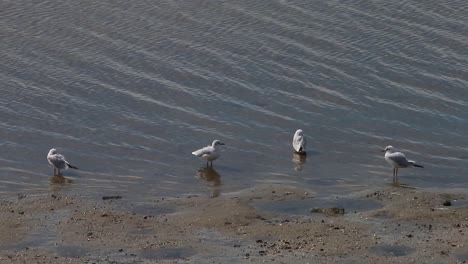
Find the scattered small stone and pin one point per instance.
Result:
(120, 250)
(447, 203)
(259, 241)
(409, 235)
(104, 215)
(227, 223)
(262, 252)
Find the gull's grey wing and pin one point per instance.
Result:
(299, 143)
(399, 158)
(58, 161)
(203, 151)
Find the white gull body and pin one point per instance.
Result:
(299, 142)
(209, 153)
(59, 162)
(398, 160)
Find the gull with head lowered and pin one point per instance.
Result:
(299, 142)
(209, 153)
(398, 160)
(59, 162)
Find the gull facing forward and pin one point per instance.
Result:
(59, 162)
(209, 153)
(398, 160)
(299, 142)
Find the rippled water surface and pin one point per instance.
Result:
(128, 89)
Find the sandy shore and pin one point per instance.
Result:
(265, 224)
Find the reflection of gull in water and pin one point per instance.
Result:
(299, 161)
(398, 160)
(299, 142)
(58, 183)
(209, 153)
(211, 177)
(59, 162)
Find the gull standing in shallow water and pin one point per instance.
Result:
(59, 162)
(398, 160)
(209, 153)
(299, 142)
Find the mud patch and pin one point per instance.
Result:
(304, 207)
(383, 215)
(216, 238)
(167, 253)
(141, 232)
(392, 251)
(150, 209)
(459, 203)
(463, 257)
(70, 251)
(42, 235)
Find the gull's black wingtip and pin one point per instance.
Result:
(72, 167)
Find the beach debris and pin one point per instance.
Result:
(334, 211)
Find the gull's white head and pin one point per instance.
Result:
(299, 132)
(389, 149)
(52, 151)
(217, 143)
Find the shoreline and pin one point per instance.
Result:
(268, 223)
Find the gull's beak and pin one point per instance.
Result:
(221, 143)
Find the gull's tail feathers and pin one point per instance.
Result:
(71, 166)
(414, 164)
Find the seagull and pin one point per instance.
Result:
(59, 162)
(398, 160)
(209, 153)
(299, 142)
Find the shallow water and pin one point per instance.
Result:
(392, 251)
(303, 207)
(127, 89)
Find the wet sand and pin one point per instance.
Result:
(265, 224)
